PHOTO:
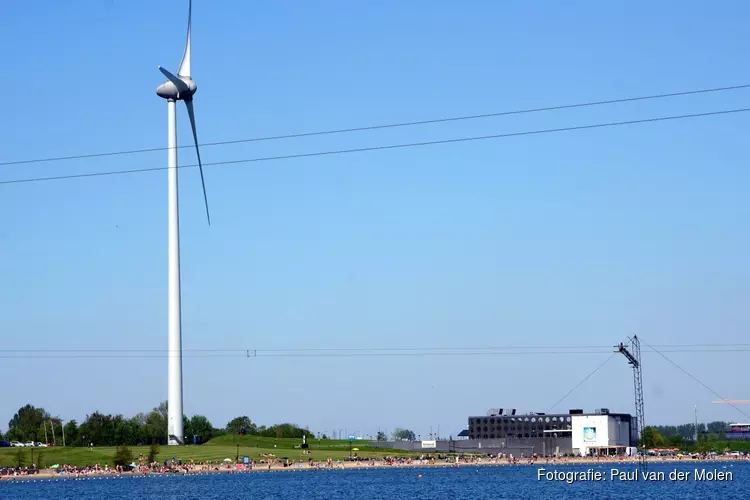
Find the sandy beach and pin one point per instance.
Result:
(49, 474)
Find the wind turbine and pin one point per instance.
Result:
(177, 88)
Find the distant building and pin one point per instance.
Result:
(738, 432)
(575, 432)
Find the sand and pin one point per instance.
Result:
(48, 474)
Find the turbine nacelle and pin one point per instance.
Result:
(176, 87)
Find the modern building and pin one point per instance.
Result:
(738, 431)
(575, 432)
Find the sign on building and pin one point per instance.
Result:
(589, 434)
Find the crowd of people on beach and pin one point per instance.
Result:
(178, 466)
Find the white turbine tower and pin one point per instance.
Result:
(177, 88)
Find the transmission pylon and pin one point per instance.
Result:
(634, 359)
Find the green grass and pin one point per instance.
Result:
(215, 450)
(289, 443)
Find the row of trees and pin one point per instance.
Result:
(687, 431)
(244, 426)
(36, 424)
(671, 436)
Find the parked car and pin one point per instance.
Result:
(29, 444)
(16, 443)
(4, 444)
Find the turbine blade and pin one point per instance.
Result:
(191, 114)
(185, 63)
(181, 86)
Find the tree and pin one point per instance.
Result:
(20, 458)
(200, 426)
(154, 425)
(284, 431)
(404, 435)
(72, 437)
(650, 438)
(153, 450)
(26, 424)
(381, 436)
(123, 456)
(126, 431)
(101, 429)
(718, 428)
(674, 441)
(242, 425)
(163, 410)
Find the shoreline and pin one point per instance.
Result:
(50, 475)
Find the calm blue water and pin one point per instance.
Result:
(475, 483)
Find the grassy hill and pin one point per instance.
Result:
(216, 450)
(288, 443)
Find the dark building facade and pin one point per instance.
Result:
(506, 423)
(501, 423)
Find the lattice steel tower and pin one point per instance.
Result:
(634, 359)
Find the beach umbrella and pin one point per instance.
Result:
(56, 466)
(227, 459)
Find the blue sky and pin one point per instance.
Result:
(569, 239)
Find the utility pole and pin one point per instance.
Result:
(634, 359)
(52, 425)
(695, 433)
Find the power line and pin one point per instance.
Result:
(292, 355)
(321, 349)
(696, 379)
(580, 383)
(311, 353)
(608, 348)
(385, 147)
(385, 126)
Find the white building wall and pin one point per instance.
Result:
(598, 430)
(589, 431)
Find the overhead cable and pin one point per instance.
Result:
(388, 125)
(381, 148)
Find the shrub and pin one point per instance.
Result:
(153, 450)
(123, 456)
(20, 458)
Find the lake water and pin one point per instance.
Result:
(466, 482)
